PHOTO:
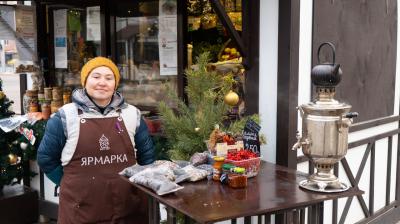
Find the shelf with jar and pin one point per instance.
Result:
(201, 14)
(46, 101)
(210, 20)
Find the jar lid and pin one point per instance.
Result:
(227, 166)
(219, 158)
(57, 88)
(67, 90)
(30, 92)
(239, 170)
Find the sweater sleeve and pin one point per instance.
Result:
(145, 153)
(50, 149)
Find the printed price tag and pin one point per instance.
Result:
(28, 134)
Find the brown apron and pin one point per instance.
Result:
(91, 190)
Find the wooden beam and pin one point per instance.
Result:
(251, 41)
(288, 64)
(182, 48)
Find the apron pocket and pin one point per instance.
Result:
(128, 200)
(91, 199)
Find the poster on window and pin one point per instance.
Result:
(26, 31)
(93, 23)
(167, 37)
(60, 38)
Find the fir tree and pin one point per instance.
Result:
(9, 146)
(15, 149)
(187, 126)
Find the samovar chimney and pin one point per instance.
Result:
(325, 125)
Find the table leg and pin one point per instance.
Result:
(171, 215)
(247, 220)
(296, 216)
(302, 216)
(154, 211)
(316, 213)
(288, 216)
(259, 219)
(188, 220)
(320, 208)
(312, 214)
(267, 219)
(280, 218)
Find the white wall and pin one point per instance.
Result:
(269, 10)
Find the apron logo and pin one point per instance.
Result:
(104, 143)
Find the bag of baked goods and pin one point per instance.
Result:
(158, 182)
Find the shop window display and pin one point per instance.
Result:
(146, 50)
(207, 34)
(17, 39)
(83, 42)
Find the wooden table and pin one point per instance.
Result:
(274, 191)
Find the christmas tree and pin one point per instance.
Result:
(187, 126)
(10, 166)
(15, 149)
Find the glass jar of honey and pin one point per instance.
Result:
(217, 167)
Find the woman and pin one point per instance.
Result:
(88, 142)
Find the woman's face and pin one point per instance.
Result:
(100, 85)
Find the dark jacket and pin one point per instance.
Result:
(54, 139)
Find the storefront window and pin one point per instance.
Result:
(77, 39)
(8, 56)
(17, 39)
(207, 34)
(146, 50)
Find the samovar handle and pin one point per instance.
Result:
(351, 115)
(347, 121)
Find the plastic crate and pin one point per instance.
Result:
(153, 124)
(252, 165)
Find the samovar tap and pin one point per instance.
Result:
(300, 143)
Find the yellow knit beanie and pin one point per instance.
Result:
(97, 62)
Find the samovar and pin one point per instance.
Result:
(325, 126)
